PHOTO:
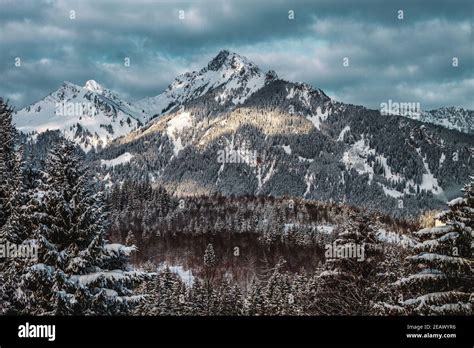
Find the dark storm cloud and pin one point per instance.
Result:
(406, 60)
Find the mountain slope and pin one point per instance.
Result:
(91, 116)
(459, 119)
(233, 76)
(289, 139)
(231, 128)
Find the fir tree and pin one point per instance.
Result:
(345, 285)
(77, 271)
(443, 282)
(9, 164)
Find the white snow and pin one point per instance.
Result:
(394, 238)
(116, 248)
(237, 78)
(93, 86)
(175, 126)
(303, 92)
(303, 159)
(434, 231)
(429, 182)
(287, 149)
(268, 175)
(426, 275)
(102, 115)
(356, 157)
(391, 192)
(122, 159)
(326, 229)
(41, 267)
(388, 173)
(457, 201)
(309, 180)
(343, 132)
(320, 117)
(442, 159)
(87, 279)
(441, 258)
(186, 276)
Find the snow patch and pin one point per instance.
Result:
(186, 276)
(356, 157)
(320, 117)
(394, 238)
(343, 132)
(176, 125)
(122, 159)
(287, 149)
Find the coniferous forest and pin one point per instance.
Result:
(227, 171)
(134, 248)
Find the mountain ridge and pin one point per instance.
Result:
(91, 116)
(230, 128)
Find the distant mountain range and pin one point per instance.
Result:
(234, 129)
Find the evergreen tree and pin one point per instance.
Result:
(16, 208)
(346, 283)
(443, 282)
(9, 164)
(76, 271)
(210, 263)
(255, 303)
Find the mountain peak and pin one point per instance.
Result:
(271, 75)
(95, 115)
(226, 60)
(67, 84)
(93, 86)
(218, 61)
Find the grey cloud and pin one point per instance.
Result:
(389, 58)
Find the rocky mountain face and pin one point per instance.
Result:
(233, 129)
(91, 116)
(229, 76)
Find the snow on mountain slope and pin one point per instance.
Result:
(122, 159)
(455, 118)
(91, 116)
(246, 133)
(176, 125)
(235, 76)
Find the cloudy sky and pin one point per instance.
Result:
(409, 59)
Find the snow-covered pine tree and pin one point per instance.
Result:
(15, 211)
(77, 271)
(277, 292)
(345, 285)
(229, 299)
(167, 299)
(444, 280)
(24, 208)
(255, 303)
(210, 263)
(210, 269)
(8, 161)
(131, 239)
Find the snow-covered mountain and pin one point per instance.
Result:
(231, 77)
(91, 116)
(449, 117)
(281, 138)
(234, 129)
